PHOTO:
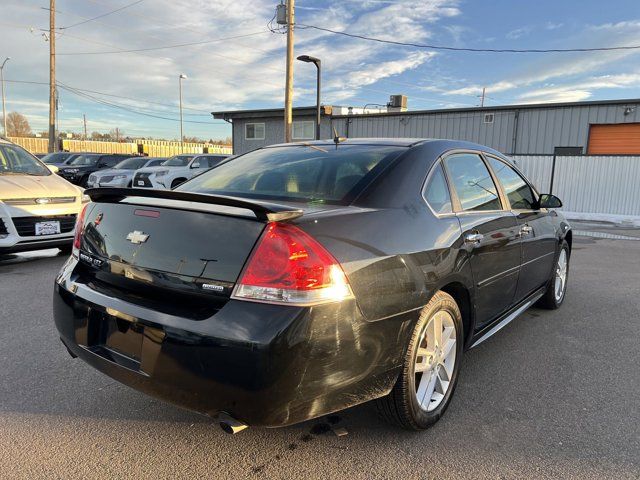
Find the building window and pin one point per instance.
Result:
(305, 130)
(254, 131)
(488, 118)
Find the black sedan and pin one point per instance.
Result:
(297, 280)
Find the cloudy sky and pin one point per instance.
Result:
(233, 61)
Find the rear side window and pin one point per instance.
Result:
(436, 193)
(517, 190)
(317, 173)
(472, 182)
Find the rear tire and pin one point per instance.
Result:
(557, 288)
(430, 368)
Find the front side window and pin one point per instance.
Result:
(304, 130)
(472, 182)
(314, 174)
(436, 192)
(17, 161)
(254, 131)
(517, 190)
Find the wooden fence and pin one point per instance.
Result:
(153, 148)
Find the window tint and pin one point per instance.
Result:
(437, 192)
(517, 190)
(472, 182)
(303, 173)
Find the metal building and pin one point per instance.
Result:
(599, 127)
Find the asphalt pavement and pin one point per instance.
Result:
(556, 394)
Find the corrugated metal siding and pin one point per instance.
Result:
(539, 130)
(537, 168)
(599, 184)
(588, 184)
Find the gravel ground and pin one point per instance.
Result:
(553, 395)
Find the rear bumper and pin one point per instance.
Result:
(265, 365)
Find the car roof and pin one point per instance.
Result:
(399, 142)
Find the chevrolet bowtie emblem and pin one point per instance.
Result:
(137, 237)
(43, 201)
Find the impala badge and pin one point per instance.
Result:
(137, 237)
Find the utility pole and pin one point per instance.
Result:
(84, 120)
(288, 92)
(484, 89)
(180, 78)
(52, 76)
(4, 110)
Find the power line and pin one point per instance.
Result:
(464, 49)
(102, 15)
(126, 107)
(178, 45)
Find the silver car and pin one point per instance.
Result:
(122, 174)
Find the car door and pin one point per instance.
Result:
(536, 227)
(490, 233)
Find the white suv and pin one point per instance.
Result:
(38, 209)
(175, 171)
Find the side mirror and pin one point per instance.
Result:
(53, 168)
(195, 165)
(549, 201)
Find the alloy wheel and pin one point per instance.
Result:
(561, 275)
(435, 360)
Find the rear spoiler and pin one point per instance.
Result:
(264, 211)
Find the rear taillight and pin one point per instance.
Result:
(289, 266)
(77, 237)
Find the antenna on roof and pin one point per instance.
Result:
(336, 138)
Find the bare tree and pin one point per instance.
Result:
(17, 125)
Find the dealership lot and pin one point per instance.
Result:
(555, 394)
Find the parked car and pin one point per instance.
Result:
(302, 279)
(122, 174)
(175, 171)
(38, 209)
(82, 166)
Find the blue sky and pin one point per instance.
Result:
(248, 72)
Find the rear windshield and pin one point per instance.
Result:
(322, 174)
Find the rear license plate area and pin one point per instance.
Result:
(116, 339)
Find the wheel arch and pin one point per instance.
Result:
(463, 297)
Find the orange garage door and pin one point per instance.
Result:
(616, 139)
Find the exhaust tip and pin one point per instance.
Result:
(230, 425)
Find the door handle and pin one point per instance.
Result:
(525, 230)
(473, 238)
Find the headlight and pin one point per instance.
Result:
(161, 173)
(119, 177)
(85, 198)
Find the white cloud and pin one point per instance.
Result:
(519, 33)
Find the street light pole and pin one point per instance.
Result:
(182, 76)
(4, 110)
(318, 64)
